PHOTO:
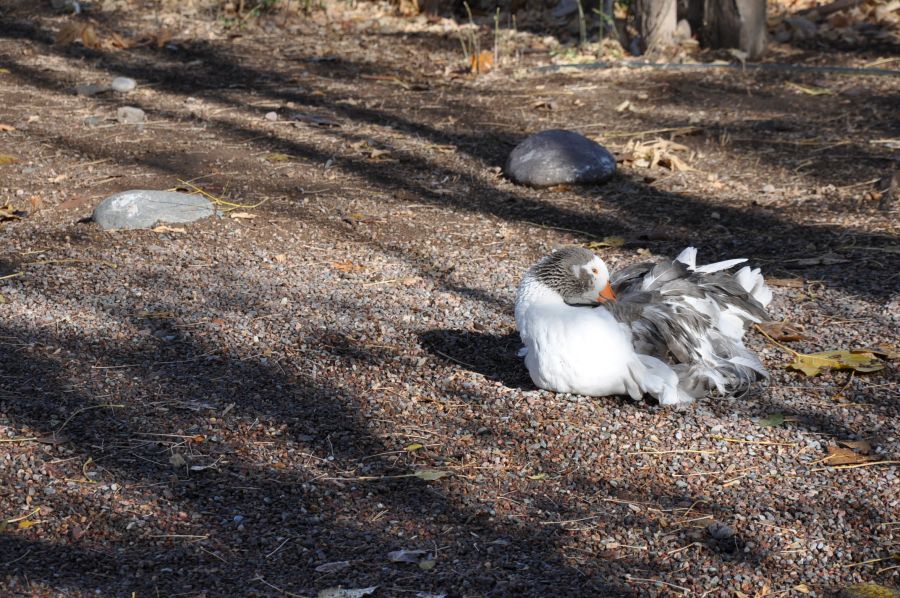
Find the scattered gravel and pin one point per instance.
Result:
(275, 401)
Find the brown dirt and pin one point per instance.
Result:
(223, 411)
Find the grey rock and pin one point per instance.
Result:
(90, 89)
(556, 157)
(719, 531)
(93, 121)
(145, 208)
(565, 8)
(273, 116)
(802, 27)
(123, 84)
(129, 115)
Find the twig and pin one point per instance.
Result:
(377, 282)
(670, 452)
(568, 230)
(274, 587)
(286, 540)
(468, 365)
(13, 275)
(870, 561)
(665, 583)
(15, 560)
(22, 439)
(71, 261)
(569, 520)
(855, 465)
(760, 442)
(83, 409)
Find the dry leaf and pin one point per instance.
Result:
(862, 446)
(333, 567)
(345, 592)
(277, 157)
(813, 364)
(794, 283)
(4, 159)
(429, 475)
(177, 460)
(537, 476)
(343, 266)
(281, 258)
(162, 228)
(242, 215)
(606, 242)
(481, 63)
(775, 419)
(845, 456)
(5, 127)
(406, 556)
(782, 331)
(8, 212)
(413, 447)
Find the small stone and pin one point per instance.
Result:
(768, 188)
(89, 89)
(123, 84)
(93, 121)
(129, 115)
(556, 157)
(719, 531)
(273, 116)
(146, 208)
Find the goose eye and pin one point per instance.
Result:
(595, 271)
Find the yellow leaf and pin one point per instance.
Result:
(26, 523)
(813, 364)
(277, 157)
(414, 447)
(481, 63)
(537, 476)
(343, 266)
(4, 159)
(4, 71)
(607, 242)
(845, 456)
(802, 588)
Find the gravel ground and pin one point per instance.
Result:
(269, 405)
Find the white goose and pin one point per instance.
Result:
(673, 330)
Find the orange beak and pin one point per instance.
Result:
(606, 294)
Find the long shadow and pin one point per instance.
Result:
(752, 231)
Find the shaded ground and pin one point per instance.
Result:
(224, 410)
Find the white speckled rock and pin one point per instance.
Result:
(123, 84)
(146, 208)
(556, 157)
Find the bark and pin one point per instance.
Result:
(736, 24)
(657, 20)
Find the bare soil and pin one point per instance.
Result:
(241, 406)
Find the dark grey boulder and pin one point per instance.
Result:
(556, 157)
(146, 208)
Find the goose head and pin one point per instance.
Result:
(575, 274)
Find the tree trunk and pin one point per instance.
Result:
(736, 24)
(657, 20)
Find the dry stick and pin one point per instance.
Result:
(24, 554)
(71, 261)
(13, 275)
(870, 561)
(855, 465)
(665, 583)
(23, 439)
(670, 452)
(568, 230)
(83, 409)
(274, 587)
(760, 442)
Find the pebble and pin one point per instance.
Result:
(123, 84)
(273, 116)
(146, 208)
(556, 157)
(129, 115)
(93, 121)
